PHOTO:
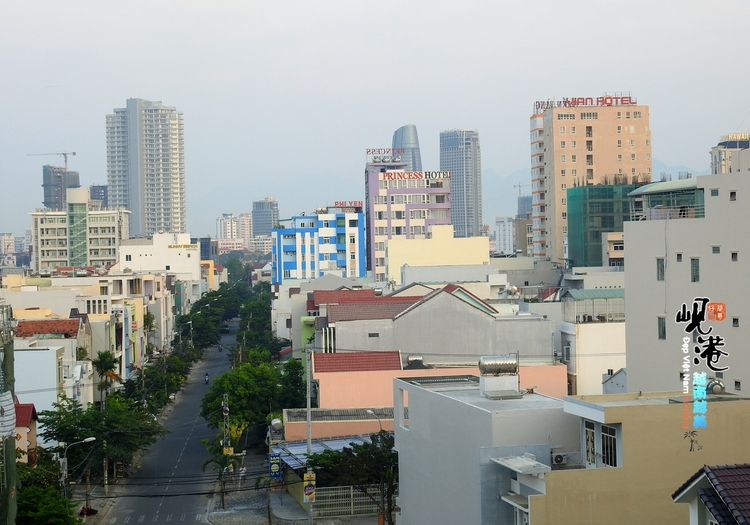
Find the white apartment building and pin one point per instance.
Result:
(504, 238)
(146, 166)
(687, 308)
(580, 142)
(227, 226)
(164, 253)
(731, 154)
(245, 230)
(229, 245)
(260, 244)
(83, 234)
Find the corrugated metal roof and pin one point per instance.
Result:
(369, 310)
(665, 187)
(596, 293)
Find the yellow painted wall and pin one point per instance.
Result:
(441, 250)
(656, 461)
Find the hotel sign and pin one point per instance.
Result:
(585, 101)
(347, 204)
(405, 175)
(384, 151)
(188, 246)
(737, 136)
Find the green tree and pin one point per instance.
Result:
(293, 389)
(41, 470)
(224, 465)
(234, 268)
(149, 327)
(105, 365)
(362, 466)
(44, 506)
(252, 393)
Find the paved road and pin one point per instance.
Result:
(170, 486)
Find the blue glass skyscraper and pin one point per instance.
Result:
(406, 138)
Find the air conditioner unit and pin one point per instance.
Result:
(559, 459)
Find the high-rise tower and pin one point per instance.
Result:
(146, 166)
(582, 142)
(405, 138)
(461, 155)
(56, 181)
(265, 216)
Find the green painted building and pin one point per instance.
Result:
(593, 211)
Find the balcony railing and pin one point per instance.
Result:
(660, 213)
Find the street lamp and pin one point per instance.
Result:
(381, 516)
(373, 414)
(65, 462)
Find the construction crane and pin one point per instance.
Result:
(64, 154)
(519, 186)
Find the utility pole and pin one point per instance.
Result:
(225, 442)
(308, 366)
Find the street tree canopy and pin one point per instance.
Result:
(252, 390)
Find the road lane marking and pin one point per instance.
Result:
(140, 520)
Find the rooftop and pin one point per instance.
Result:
(357, 361)
(64, 328)
(723, 489)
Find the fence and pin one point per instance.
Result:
(335, 501)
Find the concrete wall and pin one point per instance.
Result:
(656, 461)
(441, 250)
(653, 363)
(448, 331)
(595, 348)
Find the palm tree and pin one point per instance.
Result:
(105, 365)
(224, 465)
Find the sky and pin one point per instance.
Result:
(281, 99)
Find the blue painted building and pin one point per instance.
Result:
(330, 242)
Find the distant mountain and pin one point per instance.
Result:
(499, 194)
(673, 172)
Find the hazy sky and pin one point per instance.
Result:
(282, 98)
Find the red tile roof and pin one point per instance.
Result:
(729, 501)
(66, 327)
(357, 361)
(25, 414)
(334, 296)
(370, 310)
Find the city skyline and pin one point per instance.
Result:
(265, 92)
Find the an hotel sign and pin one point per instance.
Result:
(406, 175)
(573, 102)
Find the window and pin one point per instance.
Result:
(564, 215)
(529, 228)
(562, 158)
(573, 158)
(562, 130)
(734, 256)
(661, 324)
(735, 322)
(589, 131)
(589, 115)
(632, 143)
(353, 255)
(566, 116)
(287, 274)
(738, 385)
(679, 257)
(563, 186)
(352, 223)
(627, 114)
(618, 247)
(637, 114)
(695, 270)
(660, 269)
(352, 239)
(732, 195)
(714, 192)
(564, 201)
(572, 143)
(619, 143)
(566, 352)
(590, 173)
(632, 156)
(565, 230)
(562, 173)
(619, 114)
(590, 437)
(619, 129)
(574, 172)
(128, 257)
(373, 334)
(715, 249)
(609, 446)
(168, 268)
(619, 157)
(562, 143)
(572, 129)
(648, 156)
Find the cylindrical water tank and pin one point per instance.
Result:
(498, 364)
(414, 358)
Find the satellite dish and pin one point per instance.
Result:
(396, 159)
(387, 158)
(376, 159)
